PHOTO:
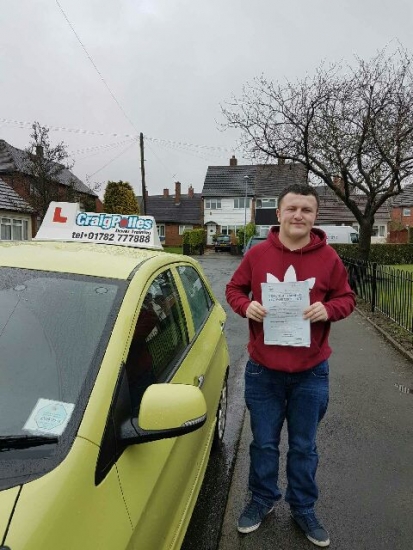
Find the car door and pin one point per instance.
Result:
(157, 478)
(208, 353)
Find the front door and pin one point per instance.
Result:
(211, 231)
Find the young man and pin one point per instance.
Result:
(282, 382)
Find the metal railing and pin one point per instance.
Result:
(389, 290)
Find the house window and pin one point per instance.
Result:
(229, 229)
(14, 229)
(161, 231)
(213, 204)
(183, 228)
(406, 212)
(382, 229)
(240, 202)
(262, 230)
(267, 203)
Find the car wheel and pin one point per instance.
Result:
(221, 415)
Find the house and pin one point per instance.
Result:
(175, 213)
(235, 195)
(333, 211)
(17, 217)
(269, 182)
(15, 172)
(401, 227)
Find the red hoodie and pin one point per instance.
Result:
(331, 287)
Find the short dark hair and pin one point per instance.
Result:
(299, 189)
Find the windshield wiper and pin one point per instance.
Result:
(25, 441)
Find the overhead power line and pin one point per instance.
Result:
(96, 68)
(26, 124)
(189, 147)
(112, 160)
(98, 148)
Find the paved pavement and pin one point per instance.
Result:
(366, 454)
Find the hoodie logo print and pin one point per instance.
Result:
(289, 277)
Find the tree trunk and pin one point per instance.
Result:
(366, 230)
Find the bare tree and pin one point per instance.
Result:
(44, 165)
(351, 127)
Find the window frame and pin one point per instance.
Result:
(183, 228)
(239, 203)
(15, 224)
(160, 227)
(209, 203)
(259, 203)
(231, 229)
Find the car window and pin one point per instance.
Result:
(199, 299)
(160, 337)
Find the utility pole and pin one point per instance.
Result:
(143, 173)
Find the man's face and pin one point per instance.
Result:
(297, 214)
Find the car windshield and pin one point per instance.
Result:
(52, 326)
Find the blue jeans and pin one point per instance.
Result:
(301, 399)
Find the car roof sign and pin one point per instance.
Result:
(64, 221)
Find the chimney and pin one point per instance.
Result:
(191, 192)
(166, 193)
(39, 151)
(177, 192)
(233, 161)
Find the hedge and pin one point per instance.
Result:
(194, 241)
(384, 254)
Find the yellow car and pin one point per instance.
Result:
(113, 386)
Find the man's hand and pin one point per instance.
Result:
(316, 312)
(256, 312)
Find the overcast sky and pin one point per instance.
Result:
(99, 72)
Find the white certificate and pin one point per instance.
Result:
(285, 303)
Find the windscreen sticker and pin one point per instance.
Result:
(50, 417)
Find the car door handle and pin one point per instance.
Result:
(200, 381)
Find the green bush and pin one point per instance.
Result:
(384, 254)
(250, 232)
(120, 198)
(194, 240)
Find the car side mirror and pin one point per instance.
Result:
(166, 410)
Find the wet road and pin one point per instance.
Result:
(205, 527)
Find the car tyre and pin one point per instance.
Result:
(221, 415)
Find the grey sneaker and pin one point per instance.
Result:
(312, 528)
(252, 516)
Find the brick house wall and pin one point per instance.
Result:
(172, 236)
(405, 223)
(397, 215)
(21, 184)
